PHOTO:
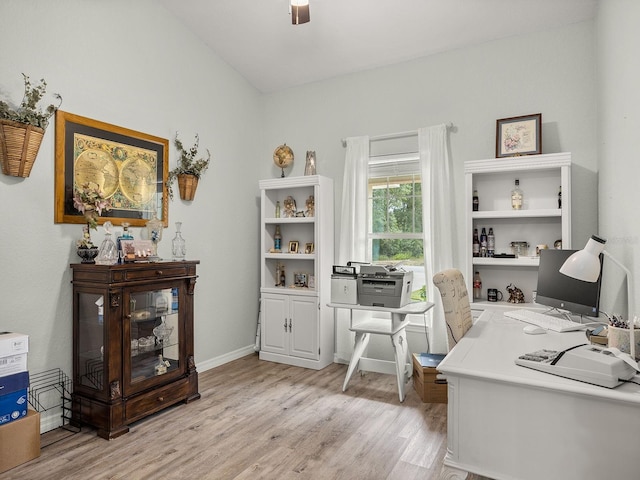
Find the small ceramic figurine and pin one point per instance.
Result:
(311, 207)
(289, 207)
(515, 294)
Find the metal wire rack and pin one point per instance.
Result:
(50, 390)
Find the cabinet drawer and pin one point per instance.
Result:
(150, 402)
(159, 271)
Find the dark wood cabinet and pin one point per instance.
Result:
(132, 342)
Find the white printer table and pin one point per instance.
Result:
(395, 329)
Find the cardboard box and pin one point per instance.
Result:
(13, 344)
(425, 382)
(19, 441)
(13, 364)
(13, 397)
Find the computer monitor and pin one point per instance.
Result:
(560, 291)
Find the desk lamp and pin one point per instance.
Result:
(585, 265)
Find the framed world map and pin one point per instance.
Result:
(130, 167)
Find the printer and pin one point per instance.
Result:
(384, 286)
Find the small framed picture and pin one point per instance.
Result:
(300, 279)
(293, 247)
(308, 248)
(312, 282)
(133, 250)
(519, 136)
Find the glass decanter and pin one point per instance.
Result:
(178, 245)
(108, 252)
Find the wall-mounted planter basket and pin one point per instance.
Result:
(19, 145)
(187, 185)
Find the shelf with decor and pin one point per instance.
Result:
(542, 220)
(296, 325)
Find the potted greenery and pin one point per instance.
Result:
(22, 129)
(89, 200)
(189, 169)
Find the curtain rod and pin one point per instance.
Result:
(391, 136)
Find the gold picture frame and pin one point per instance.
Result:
(519, 136)
(130, 167)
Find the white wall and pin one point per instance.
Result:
(133, 65)
(551, 72)
(619, 146)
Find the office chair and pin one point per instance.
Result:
(455, 303)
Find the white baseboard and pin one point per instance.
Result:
(226, 358)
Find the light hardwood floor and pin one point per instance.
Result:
(263, 420)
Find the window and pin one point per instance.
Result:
(395, 216)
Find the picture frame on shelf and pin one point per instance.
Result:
(308, 248)
(519, 136)
(293, 246)
(130, 167)
(312, 281)
(300, 279)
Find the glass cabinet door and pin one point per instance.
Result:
(154, 336)
(90, 340)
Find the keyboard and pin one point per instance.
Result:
(548, 322)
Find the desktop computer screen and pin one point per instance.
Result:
(559, 291)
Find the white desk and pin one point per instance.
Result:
(511, 422)
(395, 329)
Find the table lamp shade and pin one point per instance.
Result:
(585, 264)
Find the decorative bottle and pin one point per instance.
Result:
(477, 286)
(126, 235)
(108, 252)
(476, 201)
(278, 209)
(483, 242)
(491, 243)
(516, 196)
(277, 239)
(283, 278)
(160, 367)
(178, 245)
(476, 243)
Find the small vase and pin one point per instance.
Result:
(310, 165)
(178, 245)
(88, 255)
(154, 232)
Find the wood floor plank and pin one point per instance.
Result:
(263, 420)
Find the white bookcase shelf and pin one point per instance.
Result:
(296, 325)
(540, 221)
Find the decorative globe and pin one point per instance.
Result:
(283, 157)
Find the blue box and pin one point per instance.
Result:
(13, 397)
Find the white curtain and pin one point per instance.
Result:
(438, 221)
(352, 245)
